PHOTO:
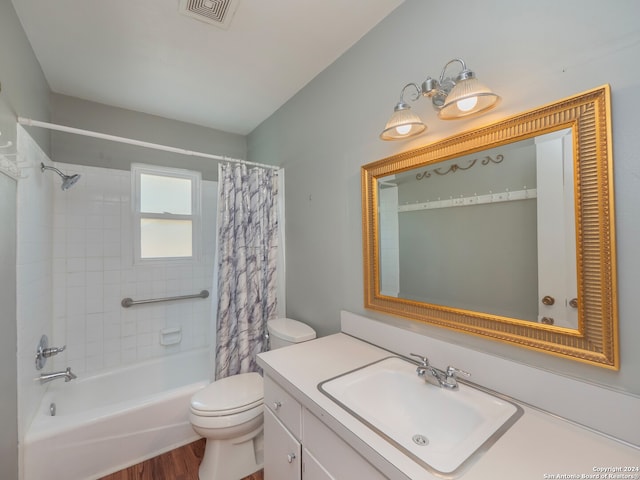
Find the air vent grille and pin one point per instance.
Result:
(215, 12)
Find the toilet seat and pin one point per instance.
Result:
(232, 395)
(219, 422)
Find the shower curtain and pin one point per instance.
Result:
(247, 259)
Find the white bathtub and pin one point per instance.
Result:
(116, 419)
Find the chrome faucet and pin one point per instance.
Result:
(43, 352)
(440, 378)
(48, 377)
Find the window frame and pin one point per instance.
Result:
(139, 169)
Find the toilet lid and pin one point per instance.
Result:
(229, 395)
(291, 330)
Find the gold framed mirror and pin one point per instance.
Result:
(413, 242)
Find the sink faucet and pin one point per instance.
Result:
(48, 377)
(440, 378)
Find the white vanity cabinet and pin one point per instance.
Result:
(297, 445)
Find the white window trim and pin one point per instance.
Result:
(138, 169)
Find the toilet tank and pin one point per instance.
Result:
(286, 331)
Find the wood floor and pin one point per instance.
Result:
(179, 464)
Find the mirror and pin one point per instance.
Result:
(506, 231)
(442, 228)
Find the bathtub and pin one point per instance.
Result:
(110, 421)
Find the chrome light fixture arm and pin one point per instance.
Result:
(415, 95)
(453, 97)
(438, 90)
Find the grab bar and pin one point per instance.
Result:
(127, 302)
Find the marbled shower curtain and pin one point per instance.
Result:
(247, 258)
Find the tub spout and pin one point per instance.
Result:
(48, 377)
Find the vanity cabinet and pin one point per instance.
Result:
(298, 446)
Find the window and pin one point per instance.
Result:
(166, 210)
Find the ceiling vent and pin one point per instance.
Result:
(215, 12)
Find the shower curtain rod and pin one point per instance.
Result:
(88, 133)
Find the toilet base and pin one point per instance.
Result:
(233, 458)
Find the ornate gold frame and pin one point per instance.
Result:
(596, 339)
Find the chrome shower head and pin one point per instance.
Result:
(68, 181)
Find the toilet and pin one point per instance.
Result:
(229, 413)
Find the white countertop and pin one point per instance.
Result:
(537, 446)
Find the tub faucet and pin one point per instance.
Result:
(48, 377)
(435, 376)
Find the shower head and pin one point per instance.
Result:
(68, 181)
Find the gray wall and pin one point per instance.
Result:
(532, 53)
(81, 150)
(24, 91)
(492, 271)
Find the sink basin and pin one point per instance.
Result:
(443, 430)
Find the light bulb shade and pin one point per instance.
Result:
(460, 101)
(402, 124)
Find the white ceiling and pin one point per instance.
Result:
(144, 56)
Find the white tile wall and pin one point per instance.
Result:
(74, 266)
(93, 271)
(33, 269)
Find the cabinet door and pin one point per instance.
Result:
(311, 468)
(281, 451)
(333, 453)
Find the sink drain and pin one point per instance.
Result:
(420, 440)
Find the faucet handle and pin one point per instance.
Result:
(50, 352)
(424, 361)
(453, 372)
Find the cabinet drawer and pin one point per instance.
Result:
(284, 406)
(334, 454)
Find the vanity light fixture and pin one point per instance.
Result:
(453, 98)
